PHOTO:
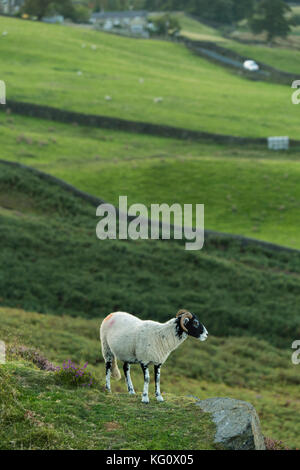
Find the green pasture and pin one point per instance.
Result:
(77, 69)
(246, 190)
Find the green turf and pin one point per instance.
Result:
(196, 93)
(245, 190)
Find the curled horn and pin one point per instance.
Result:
(184, 314)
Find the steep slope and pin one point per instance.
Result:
(51, 261)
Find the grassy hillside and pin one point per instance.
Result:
(245, 190)
(195, 92)
(40, 414)
(282, 58)
(49, 414)
(193, 29)
(236, 291)
(283, 55)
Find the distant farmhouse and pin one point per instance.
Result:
(10, 7)
(129, 22)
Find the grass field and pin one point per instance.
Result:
(240, 368)
(57, 280)
(247, 298)
(51, 56)
(245, 190)
(280, 57)
(72, 272)
(283, 55)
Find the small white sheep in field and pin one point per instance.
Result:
(145, 342)
(108, 98)
(159, 99)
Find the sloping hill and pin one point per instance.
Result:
(52, 262)
(75, 69)
(246, 190)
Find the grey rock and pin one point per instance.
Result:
(237, 423)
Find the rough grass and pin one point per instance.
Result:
(195, 92)
(43, 415)
(245, 190)
(240, 368)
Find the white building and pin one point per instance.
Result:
(10, 7)
(130, 22)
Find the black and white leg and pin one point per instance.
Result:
(108, 374)
(157, 383)
(126, 368)
(145, 396)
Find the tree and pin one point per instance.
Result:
(242, 9)
(166, 25)
(81, 14)
(270, 17)
(41, 8)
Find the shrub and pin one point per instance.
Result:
(73, 374)
(33, 355)
(165, 25)
(295, 20)
(273, 444)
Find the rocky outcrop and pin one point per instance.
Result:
(237, 423)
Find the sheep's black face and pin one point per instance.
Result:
(195, 328)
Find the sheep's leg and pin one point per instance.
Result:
(157, 383)
(126, 368)
(108, 374)
(145, 397)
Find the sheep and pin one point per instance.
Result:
(134, 341)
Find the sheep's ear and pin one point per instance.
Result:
(185, 321)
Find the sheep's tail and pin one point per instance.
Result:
(115, 372)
